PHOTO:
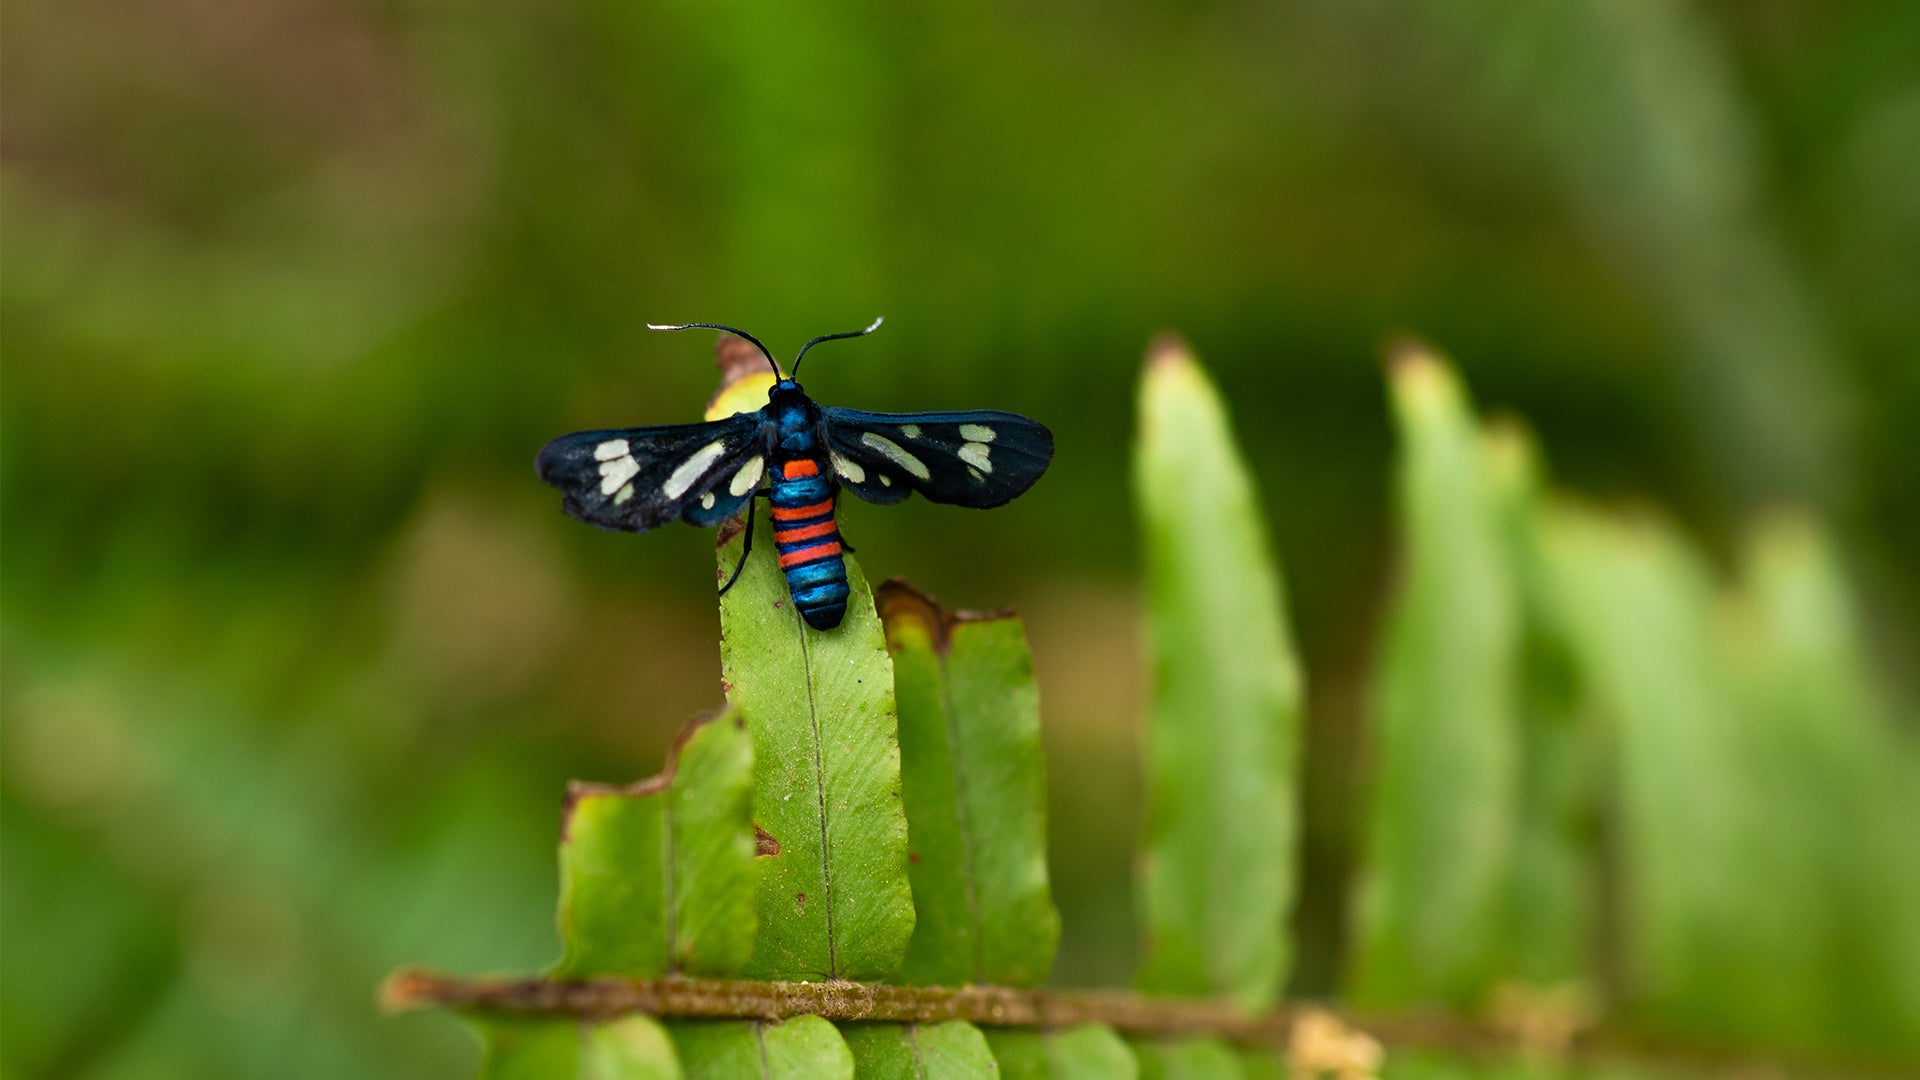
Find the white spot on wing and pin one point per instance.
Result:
(849, 469)
(885, 480)
(623, 495)
(692, 469)
(616, 472)
(611, 449)
(975, 454)
(748, 477)
(706, 501)
(976, 432)
(891, 451)
(911, 431)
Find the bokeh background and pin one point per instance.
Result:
(298, 655)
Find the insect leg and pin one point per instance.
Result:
(746, 548)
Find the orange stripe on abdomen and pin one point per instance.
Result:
(804, 532)
(801, 513)
(800, 467)
(810, 554)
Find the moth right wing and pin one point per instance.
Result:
(635, 479)
(978, 459)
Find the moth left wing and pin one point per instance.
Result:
(978, 459)
(635, 479)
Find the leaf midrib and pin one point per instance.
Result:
(820, 791)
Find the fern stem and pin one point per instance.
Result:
(837, 1000)
(1133, 1014)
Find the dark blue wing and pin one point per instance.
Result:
(978, 459)
(635, 479)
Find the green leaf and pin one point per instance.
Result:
(1217, 880)
(803, 1048)
(1084, 1052)
(657, 878)
(975, 794)
(954, 1050)
(1188, 1059)
(833, 900)
(1445, 715)
(630, 1048)
(1553, 918)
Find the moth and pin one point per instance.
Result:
(798, 455)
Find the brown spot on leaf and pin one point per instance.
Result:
(729, 529)
(903, 609)
(913, 857)
(763, 843)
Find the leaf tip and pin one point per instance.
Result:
(1167, 351)
(1422, 381)
(1511, 454)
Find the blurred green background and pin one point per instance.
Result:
(298, 654)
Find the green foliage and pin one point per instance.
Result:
(834, 900)
(1082, 1052)
(1554, 672)
(657, 878)
(954, 1050)
(1743, 753)
(630, 1048)
(803, 1048)
(1217, 879)
(975, 794)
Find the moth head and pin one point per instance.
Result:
(785, 391)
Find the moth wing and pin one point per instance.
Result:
(978, 459)
(635, 479)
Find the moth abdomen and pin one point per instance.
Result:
(808, 540)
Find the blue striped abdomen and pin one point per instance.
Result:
(809, 542)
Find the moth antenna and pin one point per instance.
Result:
(735, 333)
(833, 337)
